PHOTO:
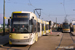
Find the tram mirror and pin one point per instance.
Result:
(32, 17)
(10, 17)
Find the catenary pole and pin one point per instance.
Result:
(3, 17)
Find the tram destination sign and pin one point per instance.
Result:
(17, 16)
(20, 15)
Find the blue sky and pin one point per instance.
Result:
(51, 9)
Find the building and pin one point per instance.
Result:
(1, 25)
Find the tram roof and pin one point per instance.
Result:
(22, 12)
(35, 17)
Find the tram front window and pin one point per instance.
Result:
(20, 23)
(66, 26)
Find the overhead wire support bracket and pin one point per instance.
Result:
(37, 11)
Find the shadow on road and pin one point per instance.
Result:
(71, 34)
(70, 49)
(6, 33)
(8, 47)
(16, 45)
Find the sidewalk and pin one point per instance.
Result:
(73, 33)
(55, 33)
(4, 40)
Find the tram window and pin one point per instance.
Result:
(34, 26)
(42, 27)
(38, 27)
(46, 27)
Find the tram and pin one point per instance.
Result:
(66, 27)
(26, 28)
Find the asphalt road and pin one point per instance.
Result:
(67, 42)
(44, 43)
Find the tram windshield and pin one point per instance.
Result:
(66, 26)
(20, 23)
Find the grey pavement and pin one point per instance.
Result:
(73, 33)
(55, 33)
(43, 43)
(0, 36)
(4, 40)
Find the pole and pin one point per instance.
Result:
(3, 18)
(56, 21)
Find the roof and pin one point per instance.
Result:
(22, 12)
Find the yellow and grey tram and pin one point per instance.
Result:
(66, 27)
(26, 28)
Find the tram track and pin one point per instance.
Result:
(29, 47)
(59, 43)
(67, 37)
(63, 39)
(72, 38)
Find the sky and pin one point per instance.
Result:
(51, 9)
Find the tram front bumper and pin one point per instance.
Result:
(66, 30)
(20, 42)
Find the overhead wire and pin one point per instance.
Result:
(64, 6)
(14, 2)
(36, 7)
(31, 4)
(42, 11)
(50, 14)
